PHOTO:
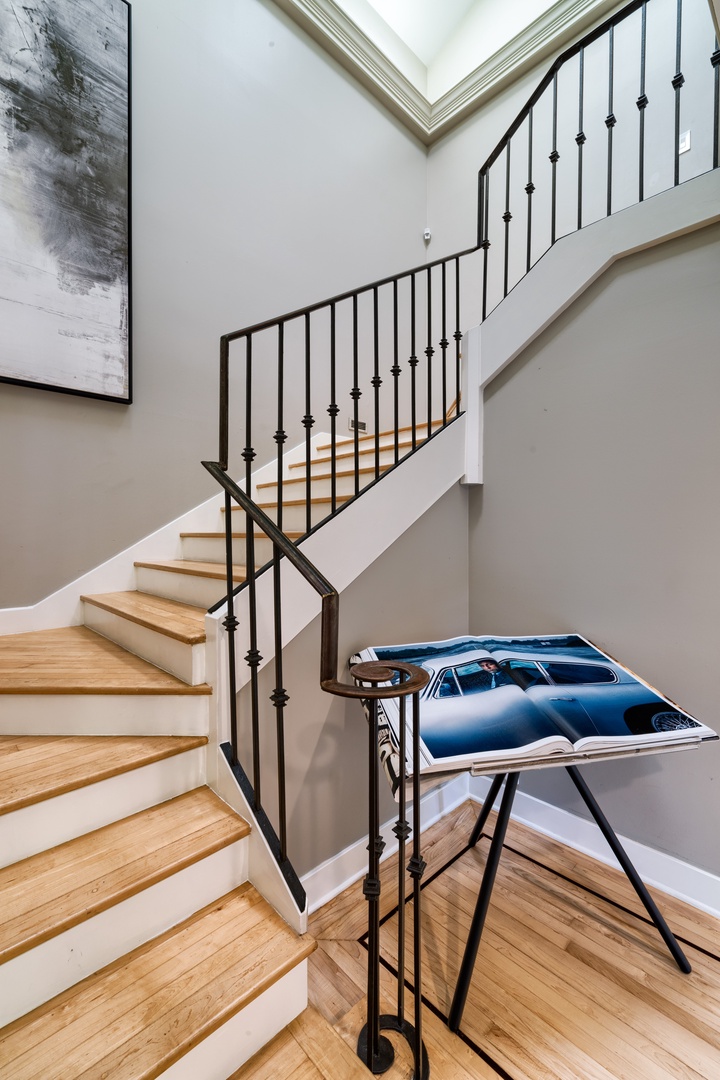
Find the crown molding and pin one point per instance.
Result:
(328, 24)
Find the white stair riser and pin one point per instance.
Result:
(104, 714)
(387, 439)
(212, 549)
(344, 485)
(345, 461)
(294, 516)
(36, 976)
(186, 662)
(187, 588)
(45, 824)
(235, 1042)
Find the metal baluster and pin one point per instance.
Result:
(279, 699)
(252, 657)
(529, 188)
(333, 410)
(715, 61)
(677, 83)
(396, 371)
(402, 831)
(610, 119)
(485, 245)
(457, 335)
(580, 138)
(642, 104)
(230, 622)
(554, 158)
(376, 1052)
(356, 393)
(429, 351)
(280, 436)
(413, 364)
(444, 341)
(308, 422)
(376, 381)
(416, 869)
(507, 218)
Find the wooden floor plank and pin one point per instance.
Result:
(75, 660)
(56, 889)
(38, 767)
(572, 982)
(141, 1014)
(182, 622)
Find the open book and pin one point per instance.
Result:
(494, 704)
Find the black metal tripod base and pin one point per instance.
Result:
(386, 1054)
(491, 866)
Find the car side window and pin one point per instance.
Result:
(574, 674)
(526, 673)
(448, 687)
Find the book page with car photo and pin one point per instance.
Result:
(497, 703)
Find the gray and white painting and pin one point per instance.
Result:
(64, 151)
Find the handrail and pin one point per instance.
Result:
(417, 677)
(560, 61)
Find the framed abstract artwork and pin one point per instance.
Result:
(65, 196)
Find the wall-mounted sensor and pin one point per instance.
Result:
(684, 143)
(427, 236)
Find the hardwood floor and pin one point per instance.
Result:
(572, 981)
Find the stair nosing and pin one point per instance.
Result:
(131, 888)
(99, 774)
(186, 637)
(63, 1003)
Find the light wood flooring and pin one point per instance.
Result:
(571, 982)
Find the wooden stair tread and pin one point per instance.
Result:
(38, 767)
(341, 474)
(196, 569)
(341, 452)
(76, 660)
(309, 1048)
(169, 617)
(236, 535)
(143, 1012)
(321, 500)
(50, 892)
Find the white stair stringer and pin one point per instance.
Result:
(561, 276)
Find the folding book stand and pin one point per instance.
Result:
(486, 886)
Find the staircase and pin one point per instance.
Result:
(133, 944)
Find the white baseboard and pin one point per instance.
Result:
(690, 883)
(695, 886)
(335, 874)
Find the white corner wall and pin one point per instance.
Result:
(599, 515)
(264, 178)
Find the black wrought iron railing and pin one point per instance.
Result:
(604, 129)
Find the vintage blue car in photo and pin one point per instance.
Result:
(488, 698)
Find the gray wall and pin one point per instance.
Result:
(600, 515)
(264, 178)
(416, 591)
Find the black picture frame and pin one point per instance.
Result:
(65, 200)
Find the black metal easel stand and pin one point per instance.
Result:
(491, 866)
